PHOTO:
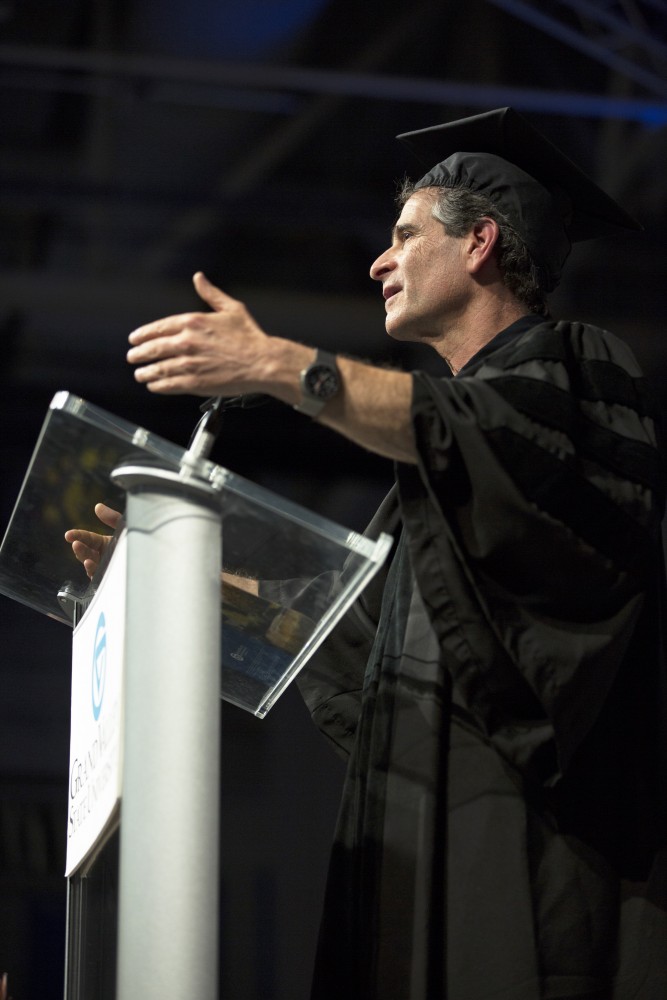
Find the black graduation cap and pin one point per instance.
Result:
(545, 196)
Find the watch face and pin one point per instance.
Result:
(321, 381)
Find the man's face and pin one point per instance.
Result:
(423, 274)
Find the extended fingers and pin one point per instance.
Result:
(189, 343)
(87, 544)
(92, 539)
(198, 353)
(163, 358)
(177, 373)
(166, 327)
(108, 515)
(89, 555)
(173, 380)
(170, 325)
(181, 340)
(85, 552)
(181, 362)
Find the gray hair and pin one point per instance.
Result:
(459, 209)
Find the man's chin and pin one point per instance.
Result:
(397, 330)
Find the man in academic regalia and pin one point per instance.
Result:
(500, 692)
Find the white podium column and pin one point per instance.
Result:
(169, 832)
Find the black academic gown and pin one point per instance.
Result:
(499, 692)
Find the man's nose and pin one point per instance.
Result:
(382, 266)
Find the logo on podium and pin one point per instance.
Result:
(99, 665)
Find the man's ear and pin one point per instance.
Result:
(482, 240)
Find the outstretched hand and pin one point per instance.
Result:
(226, 353)
(90, 546)
(206, 354)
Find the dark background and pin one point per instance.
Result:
(141, 140)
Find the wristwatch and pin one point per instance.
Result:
(320, 382)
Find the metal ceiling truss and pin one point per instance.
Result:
(616, 34)
(224, 84)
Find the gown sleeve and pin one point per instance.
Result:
(533, 519)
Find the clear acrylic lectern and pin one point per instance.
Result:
(211, 586)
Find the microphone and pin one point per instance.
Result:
(245, 402)
(207, 430)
